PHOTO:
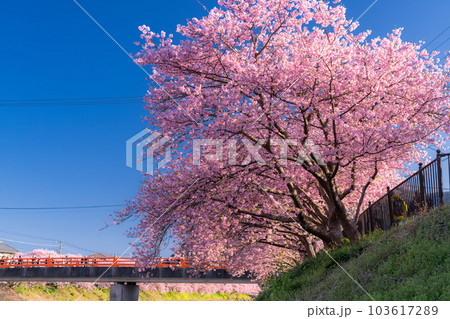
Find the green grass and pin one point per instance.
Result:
(52, 292)
(175, 295)
(39, 291)
(410, 262)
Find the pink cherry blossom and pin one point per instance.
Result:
(279, 70)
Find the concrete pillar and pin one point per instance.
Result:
(124, 292)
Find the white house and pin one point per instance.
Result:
(7, 251)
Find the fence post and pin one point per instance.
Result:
(391, 213)
(369, 211)
(422, 185)
(439, 177)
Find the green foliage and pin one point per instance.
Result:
(175, 295)
(48, 289)
(410, 262)
(39, 291)
(19, 288)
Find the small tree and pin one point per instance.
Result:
(276, 76)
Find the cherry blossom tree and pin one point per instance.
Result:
(43, 253)
(249, 289)
(308, 118)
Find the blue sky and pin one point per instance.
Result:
(64, 155)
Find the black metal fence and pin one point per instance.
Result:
(424, 189)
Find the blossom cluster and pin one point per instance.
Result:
(291, 70)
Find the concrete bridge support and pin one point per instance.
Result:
(124, 292)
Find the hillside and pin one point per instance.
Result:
(410, 262)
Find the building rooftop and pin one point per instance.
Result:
(5, 248)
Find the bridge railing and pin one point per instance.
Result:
(170, 263)
(423, 189)
(173, 262)
(67, 262)
(19, 262)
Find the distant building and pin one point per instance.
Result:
(7, 251)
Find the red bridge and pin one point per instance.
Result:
(90, 262)
(122, 271)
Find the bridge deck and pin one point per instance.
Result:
(117, 274)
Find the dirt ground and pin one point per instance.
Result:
(7, 294)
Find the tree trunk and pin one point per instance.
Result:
(340, 223)
(309, 248)
(349, 229)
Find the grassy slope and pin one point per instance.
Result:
(40, 292)
(410, 262)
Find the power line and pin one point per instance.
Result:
(81, 248)
(52, 212)
(69, 104)
(131, 57)
(84, 103)
(40, 213)
(73, 101)
(59, 242)
(362, 14)
(62, 207)
(436, 37)
(27, 243)
(28, 236)
(441, 44)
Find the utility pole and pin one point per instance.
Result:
(60, 247)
